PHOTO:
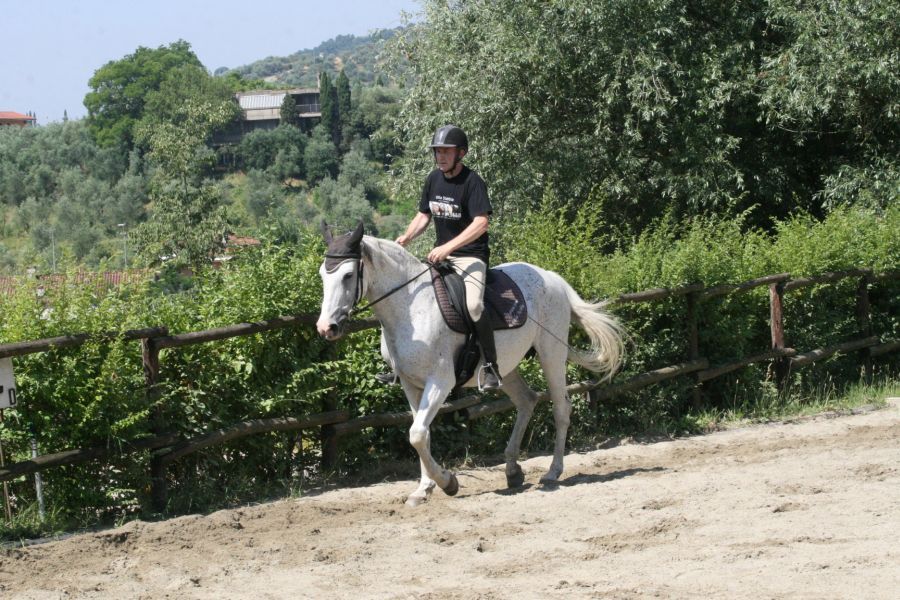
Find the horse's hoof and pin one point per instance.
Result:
(550, 480)
(415, 501)
(452, 487)
(515, 479)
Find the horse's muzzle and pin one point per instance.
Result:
(331, 331)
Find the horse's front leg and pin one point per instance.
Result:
(414, 397)
(430, 402)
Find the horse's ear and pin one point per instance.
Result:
(356, 236)
(326, 232)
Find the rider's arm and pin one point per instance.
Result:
(416, 227)
(468, 235)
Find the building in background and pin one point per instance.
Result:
(261, 109)
(10, 118)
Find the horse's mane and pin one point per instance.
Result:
(392, 251)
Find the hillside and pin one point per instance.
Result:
(360, 58)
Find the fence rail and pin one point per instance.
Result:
(169, 447)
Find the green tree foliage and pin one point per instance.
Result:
(186, 224)
(60, 196)
(342, 203)
(659, 105)
(345, 107)
(375, 115)
(119, 89)
(321, 156)
(289, 113)
(281, 150)
(833, 84)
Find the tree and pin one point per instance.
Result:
(187, 221)
(120, 89)
(345, 107)
(659, 106)
(281, 149)
(343, 203)
(329, 107)
(321, 157)
(289, 112)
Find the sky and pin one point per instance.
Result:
(49, 49)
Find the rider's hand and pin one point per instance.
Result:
(438, 253)
(403, 240)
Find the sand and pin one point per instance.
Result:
(802, 509)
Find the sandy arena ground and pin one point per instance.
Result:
(809, 509)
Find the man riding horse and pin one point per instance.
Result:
(456, 198)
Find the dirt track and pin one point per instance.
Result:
(797, 510)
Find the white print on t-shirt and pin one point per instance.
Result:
(444, 208)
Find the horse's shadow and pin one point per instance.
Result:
(577, 479)
(582, 478)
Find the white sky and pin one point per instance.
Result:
(49, 49)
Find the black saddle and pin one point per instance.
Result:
(504, 306)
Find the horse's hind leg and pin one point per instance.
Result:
(525, 400)
(553, 362)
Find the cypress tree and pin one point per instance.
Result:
(343, 98)
(331, 119)
(289, 113)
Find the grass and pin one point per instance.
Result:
(768, 405)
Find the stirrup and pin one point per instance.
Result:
(389, 378)
(488, 378)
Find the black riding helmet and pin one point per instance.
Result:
(450, 136)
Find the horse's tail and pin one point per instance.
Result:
(605, 332)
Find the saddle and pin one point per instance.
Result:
(504, 307)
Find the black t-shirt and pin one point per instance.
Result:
(453, 204)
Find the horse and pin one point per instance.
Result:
(421, 347)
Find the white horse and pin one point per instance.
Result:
(421, 347)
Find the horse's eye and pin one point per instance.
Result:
(347, 276)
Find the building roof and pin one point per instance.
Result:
(261, 99)
(100, 281)
(14, 116)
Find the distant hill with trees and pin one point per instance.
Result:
(361, 58)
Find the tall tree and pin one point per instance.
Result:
(331, 116)
(120, 89)
(343, 99)
(186, 222)
(289, 114)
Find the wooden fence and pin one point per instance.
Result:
(168, 447)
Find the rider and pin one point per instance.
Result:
(456, 197)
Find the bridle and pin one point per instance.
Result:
(357, 256)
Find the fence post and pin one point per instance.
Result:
(776, 322)
(693, 346)
(158, 487)
(863, 316)
(329, 437)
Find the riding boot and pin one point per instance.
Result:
(485, 334)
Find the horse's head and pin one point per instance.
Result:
(342, 280)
